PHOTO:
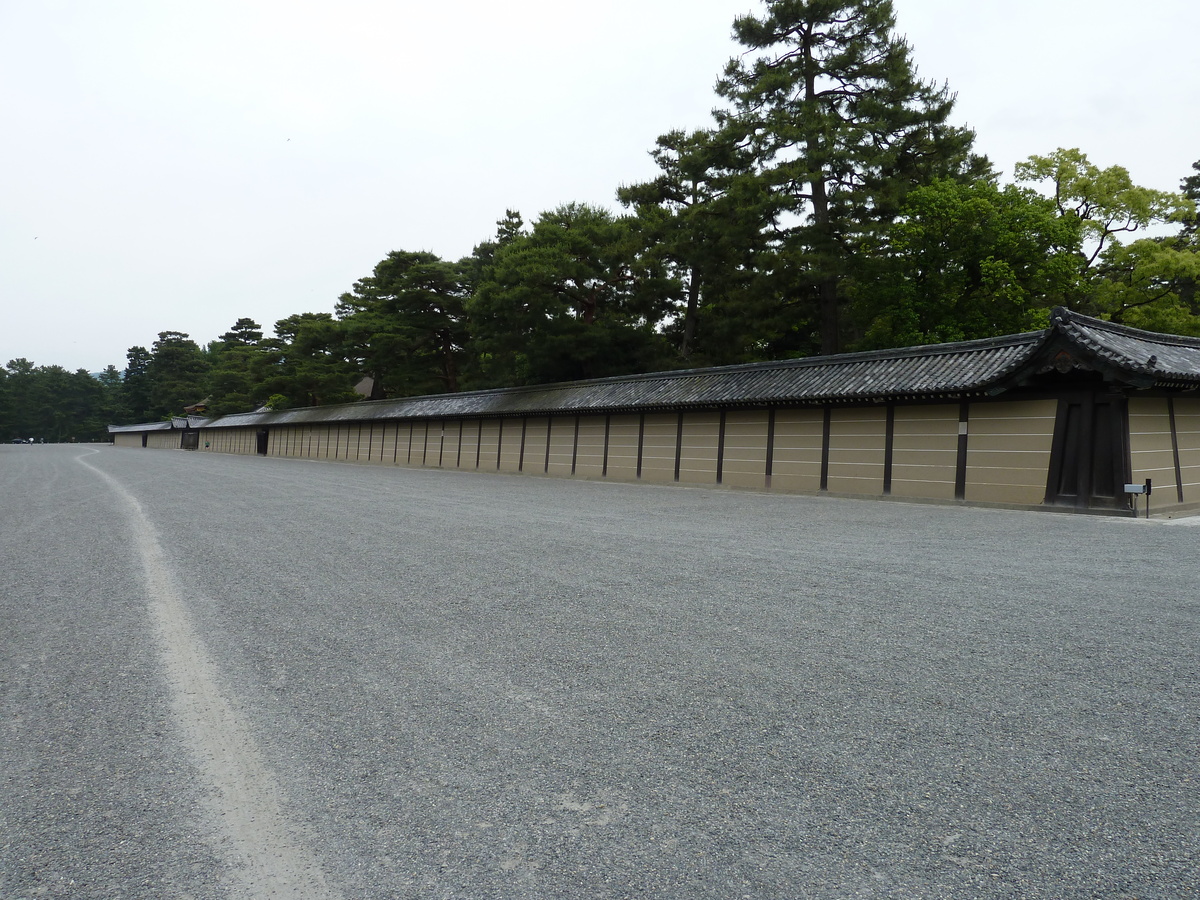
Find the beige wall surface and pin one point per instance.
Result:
(455, 433)
(164, 440)
(362, 452)
(1151, 453)
(306, 442)
(658, 447)
(562, 445)
(310, 446)
(448, 444)
(796, 465)
(745, 461)
(302, 441)
(1187, 432)
(397, 443)
(326, 442)
(125, 439)
(415, 448)
(510, 452)
(698, 450)
(435, 452)
(425, 441)
(360, 442)
(925, 451)
(466, 454)
(342, 437)
(336, 446)
(534, 460)
(447, 435)
(857, 440)
(489, 445)
(229, 440)
(376, 435)
(623, 447)
(1008, 450)
(589, 462)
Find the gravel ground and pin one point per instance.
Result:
(488, 686)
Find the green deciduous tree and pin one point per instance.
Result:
(966, 260)
(1141, 282)
(1105, 202)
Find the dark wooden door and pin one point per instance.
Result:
(1089, 460)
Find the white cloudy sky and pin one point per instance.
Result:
(169, 165)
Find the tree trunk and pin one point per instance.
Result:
(828, 321)
(827, 280)
(450, 364)
(689, 317)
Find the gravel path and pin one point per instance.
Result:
(459, 685)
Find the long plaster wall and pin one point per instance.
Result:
(162, 440)
(227, 440)
(991, 452)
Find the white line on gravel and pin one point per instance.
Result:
(256, 834)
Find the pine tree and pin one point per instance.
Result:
(571, 299)
(406, 324)
(840, 128)
(703, 220)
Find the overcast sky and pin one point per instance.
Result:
(178, 165)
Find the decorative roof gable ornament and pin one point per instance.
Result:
(1064, 362)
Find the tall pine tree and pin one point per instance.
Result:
(703, 219)
(828, 103)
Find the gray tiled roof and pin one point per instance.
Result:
(937, 371)
(879, 375)
(1168, 358)
(148, 426)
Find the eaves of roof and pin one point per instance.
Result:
(147, 426)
